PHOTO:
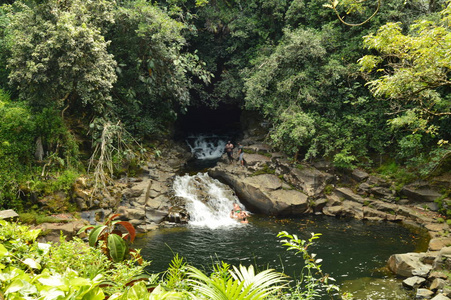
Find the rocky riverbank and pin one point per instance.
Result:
(270, 184)
(273, 185)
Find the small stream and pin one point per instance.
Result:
(353, 252)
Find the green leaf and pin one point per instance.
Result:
(95, 234)
(32, 263)
(117, 247)
(3, 250)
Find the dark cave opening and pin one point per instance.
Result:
(223, 120)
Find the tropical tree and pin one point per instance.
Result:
(58, 55)
(155, 72)
(411, 73)
(415, 77)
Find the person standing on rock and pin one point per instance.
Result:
(241, 153)
(229, 151)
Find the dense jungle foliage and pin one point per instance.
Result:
(356, 95)
(74, 270)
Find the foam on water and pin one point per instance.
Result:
(208, 201)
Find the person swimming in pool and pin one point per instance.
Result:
(238, 214)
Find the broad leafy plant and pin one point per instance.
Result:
(110, 239)
(239, 284)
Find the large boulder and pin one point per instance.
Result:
(265, 193)
(407, 264)
(310, 180)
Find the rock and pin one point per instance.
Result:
(440, 297)
(308, 179)
(421, 194)
(437, 274)
(347, 209)
(437, 227)
(374, 214)
(348, 194)
(51, 232)
(146, 228)
(422, 271)
(8, 214)
(131, 213)
(413, 282)
(437, 284)
(159, 203)
(319, 204)
(177, 214)
(382, 192)
(443, 259)
(439, 243)
(424, 294)
(385, 207)
(359, 175)
(404, 264)
(136, 222)
(289, 202)
(155, 216)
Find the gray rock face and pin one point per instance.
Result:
(420, 194)
(289, 202)
(308, 179)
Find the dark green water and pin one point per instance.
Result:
(352, 251)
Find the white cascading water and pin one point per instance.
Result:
(206, 147)
(208, 201)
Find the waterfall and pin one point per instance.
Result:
(208, 201)
(204, 147)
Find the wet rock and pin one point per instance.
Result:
(413, 282)
(146, 228)
(177, 214)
